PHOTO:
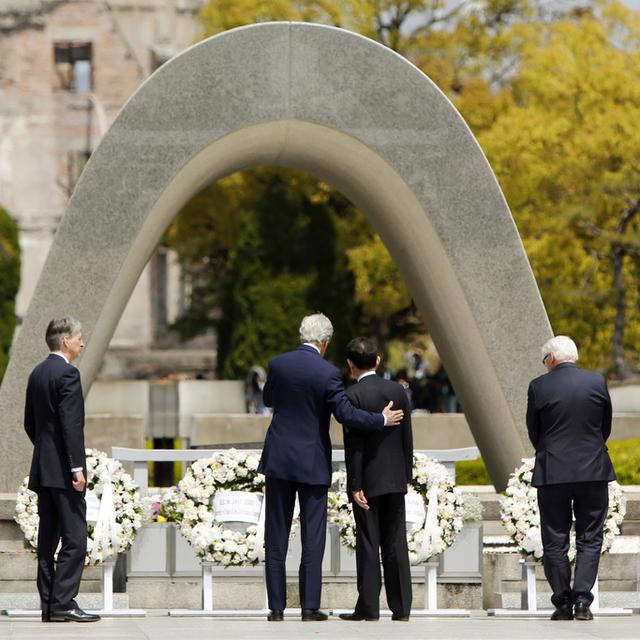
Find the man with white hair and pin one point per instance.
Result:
(569, 421)
(304, 390)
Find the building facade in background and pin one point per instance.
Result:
(66, 69)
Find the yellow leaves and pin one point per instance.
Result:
(567, 154)
(378, 286)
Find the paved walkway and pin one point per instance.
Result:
(160, 627)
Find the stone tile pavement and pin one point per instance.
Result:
(158, 626)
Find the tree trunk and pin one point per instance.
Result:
(622, 368)
(619, 252)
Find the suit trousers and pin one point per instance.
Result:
(589, 502)
(62, 517)
(280, 496)
(382, 529)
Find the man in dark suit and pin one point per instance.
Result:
(379, 467)
(569, 421)
(54, 422)
(304, 390)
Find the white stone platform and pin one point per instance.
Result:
(158, 626)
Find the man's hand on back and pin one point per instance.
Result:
(394, 417)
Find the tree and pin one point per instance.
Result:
(499, 61)
(9, 284)
(567, 153)
(281, 258)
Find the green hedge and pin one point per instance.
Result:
(625, 455)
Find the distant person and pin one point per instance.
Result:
(54, 422)
(402, 379)
(253, 391)
(569, 421)
(304, 390)
(379, 468)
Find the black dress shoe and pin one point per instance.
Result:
(45, 617)
(563, 612)
(72, 615)
(582, 611)
(313, 615)
(275, 616)
(356, 617)
(399, 618)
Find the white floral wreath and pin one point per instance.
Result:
(521, 518)
(428, 474)
(130, 510)
(230, 470)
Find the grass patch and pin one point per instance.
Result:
(472, 472)
(625, 455)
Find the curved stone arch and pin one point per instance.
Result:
(351, 112)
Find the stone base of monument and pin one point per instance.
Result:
(430, 599)
(417, 613)
(27, 605)
(226, 613)
(106, 603)
(546, 613)
(231, 593)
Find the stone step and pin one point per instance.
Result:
(234, 593)
(29, 586)
(85, 601)
(514, 586)
(608, 599)
(613, 566)
(21, 565)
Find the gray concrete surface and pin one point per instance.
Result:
(348, 111)
(478, 627)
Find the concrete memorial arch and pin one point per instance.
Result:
(350, 112)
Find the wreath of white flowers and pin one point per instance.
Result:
(427, 473)
(521, 517)
(230, 470)
(130, 510)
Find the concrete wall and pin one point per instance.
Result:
(625, 398)
(118, 398)
(197, 397)
(430, 430)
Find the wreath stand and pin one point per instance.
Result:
(208, 609)
(431, 596)
(430, 564)
(529, 597)
(107, 610)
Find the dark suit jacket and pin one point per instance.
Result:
(54, 422)
(569, 421)
(380, 462)
(304, 390)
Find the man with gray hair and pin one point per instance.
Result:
(54, 422)
(569, 421)
(304, 390)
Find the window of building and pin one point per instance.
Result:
(73, 66)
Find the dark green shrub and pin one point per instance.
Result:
(625, 455)
(9, 283)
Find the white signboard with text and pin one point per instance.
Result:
(237, 506)
(93, 505)
(414, 507)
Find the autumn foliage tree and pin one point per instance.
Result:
(551, 91)
(9, 283)
(567, 154)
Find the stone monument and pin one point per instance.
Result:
(350, 112)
